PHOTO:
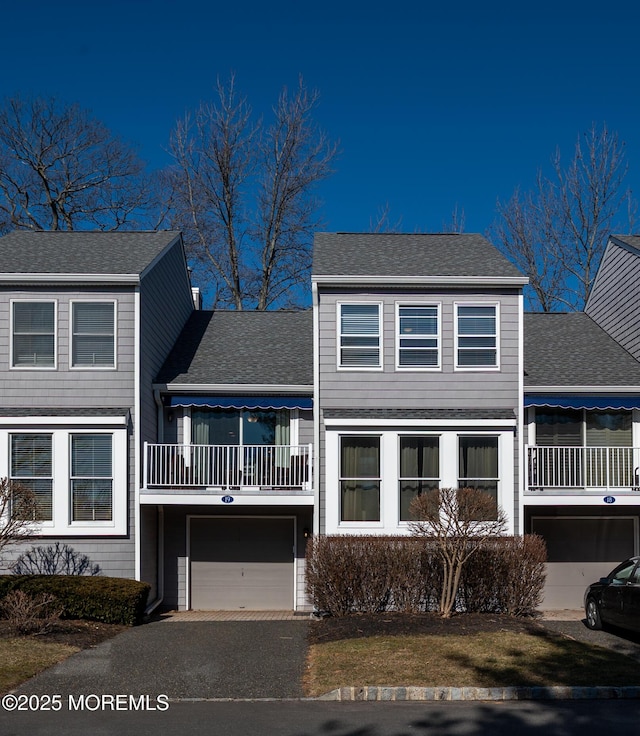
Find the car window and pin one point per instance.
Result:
(635, 578)
(621, 574)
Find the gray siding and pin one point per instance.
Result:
(447, 388)
(614, 302)
(165, 305)
(65, 387)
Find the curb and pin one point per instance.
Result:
(425, 694)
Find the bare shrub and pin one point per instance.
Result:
(55, 559)
(30, 614)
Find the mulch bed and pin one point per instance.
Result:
(81, 634)
(358, 626)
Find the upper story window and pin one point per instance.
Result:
(359, 336)
(477, 336)
(418, 339)
(93, 334)
(33, 334)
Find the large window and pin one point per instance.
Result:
(419, 469)
(31, 466)
(359, 335)
(477, 336)
(359, 478)
(91, 477)
(418, 337)
(558, 427)
(93, 334)
(33, 334)
(478, 463)
(240, 427)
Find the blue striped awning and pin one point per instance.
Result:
(244, 402)
(583, 402)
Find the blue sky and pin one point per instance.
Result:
(433, 107)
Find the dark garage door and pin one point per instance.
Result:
(241, 564)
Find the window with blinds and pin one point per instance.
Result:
(93, 334)
(33, 335)
(418, 337)
(359, 336)
(31, 466)
(477, 336)
(91, 477)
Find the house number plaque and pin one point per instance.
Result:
(227, 499)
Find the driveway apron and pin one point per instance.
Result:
(203, 659)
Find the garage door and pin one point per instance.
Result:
(580, 550)
(241, 564)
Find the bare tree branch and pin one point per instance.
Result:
(556, 234)
(60, 169)
(18, 513)
(244, 196)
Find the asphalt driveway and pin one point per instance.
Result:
(199, 659)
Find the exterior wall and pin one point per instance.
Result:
(65, 386)
(614, 302)
(165, 305)
(388, 388)
(149, 548)
(445, 388)
(176, 552)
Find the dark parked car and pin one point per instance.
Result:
(615, 600)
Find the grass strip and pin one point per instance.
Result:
(23, 658)
(489, 659)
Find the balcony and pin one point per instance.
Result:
(216, 469)
(582, 470)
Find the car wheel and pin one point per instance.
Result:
(593, 615)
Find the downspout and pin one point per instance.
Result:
(316, 408)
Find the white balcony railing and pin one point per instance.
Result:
(228, 467)
(583, 468)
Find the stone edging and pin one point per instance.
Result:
(377, 693)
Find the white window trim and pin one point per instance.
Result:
(476, 368)
(62, 525)
(390, 472)
(55, 336)
(438, 337)
(113, 367)
(350, 368)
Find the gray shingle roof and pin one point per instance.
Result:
(572, 350)
(63, 412)
(632, 240)
(394, 254)
(97, 253)
(227, 347)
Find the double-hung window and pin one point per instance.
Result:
(478, 463)
(419, 469)
(32, 466)
(360, 478)
(359, 336)
(93, 334)
(91, 477)
(33, 334)
(477, 336)
(418, 339)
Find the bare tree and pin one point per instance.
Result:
(61, 169)
(556, 234)
(54, 559)
(457, 222)
(382, 222)
(244, 195)
(459, 521)
(18, 513)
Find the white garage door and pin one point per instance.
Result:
(241, 564)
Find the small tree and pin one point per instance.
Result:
(55, 559)
(18, 512)
(458, 522)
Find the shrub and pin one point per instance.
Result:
(56, 559)
(110, 600)
(30, 614)
(369, 574)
